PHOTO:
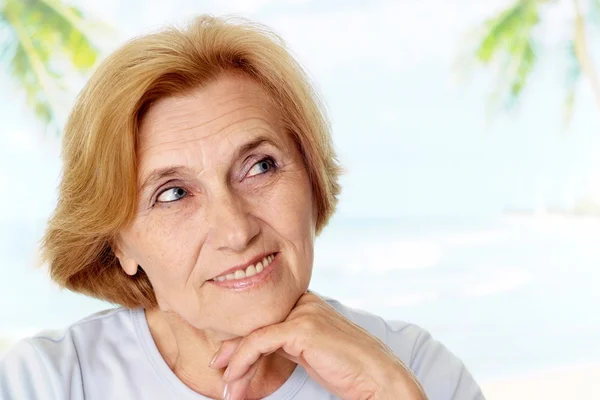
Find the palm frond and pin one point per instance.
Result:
(498, 30)
(573, 78)
(44, 42)
(28, 66)
(594, 12)
(583, 53)
(508, 40)
(72, 37)
(521, 71)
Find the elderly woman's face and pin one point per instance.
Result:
(226, 221)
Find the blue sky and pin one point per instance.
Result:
(413, 139)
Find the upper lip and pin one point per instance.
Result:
(253, 261)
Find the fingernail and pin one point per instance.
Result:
(226, 374)
(213, 359)
(226, 393)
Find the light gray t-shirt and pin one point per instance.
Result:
(111, 355)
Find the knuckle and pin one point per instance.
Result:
(256, 335)
(254, 340)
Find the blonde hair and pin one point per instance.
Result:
(98, 188)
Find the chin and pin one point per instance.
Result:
(265, 314)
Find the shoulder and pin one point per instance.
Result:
(55, 346)
(440, 372)
(48, 364)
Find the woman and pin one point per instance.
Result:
(198, 170)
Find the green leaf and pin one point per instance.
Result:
(27, 65)
(508, 40)
(499, 30)
(41, 41)
(594, 14)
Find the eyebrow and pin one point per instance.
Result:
(162, 173)
(171, 171)
(253, 144)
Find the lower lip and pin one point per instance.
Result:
(252, 281)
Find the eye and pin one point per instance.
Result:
(263, 166)
(170, 195)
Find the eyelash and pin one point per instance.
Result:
(268, 159)
(170, 187)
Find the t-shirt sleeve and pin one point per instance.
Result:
(24, 375)
(442, 374)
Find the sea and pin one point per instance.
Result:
(508, 294)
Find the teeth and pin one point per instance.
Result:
(239, 274)
(250, 271)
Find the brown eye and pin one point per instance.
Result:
(172, 194)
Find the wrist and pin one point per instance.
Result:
(400, 383)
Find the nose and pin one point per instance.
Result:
(231, 227)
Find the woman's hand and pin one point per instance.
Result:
(344, 358)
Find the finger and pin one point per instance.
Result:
(222, 356)
(296, 360)
(237, 389)
(260, 342)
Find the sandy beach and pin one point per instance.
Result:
(573, 383)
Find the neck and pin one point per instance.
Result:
(188, 352)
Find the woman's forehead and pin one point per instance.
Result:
(208, 124)
(208, 110)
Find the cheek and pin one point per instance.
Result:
(168, 245)
(288, 208)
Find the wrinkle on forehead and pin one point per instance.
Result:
(213, 115)
(216, 101)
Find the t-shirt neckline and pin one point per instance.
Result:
(287, 391)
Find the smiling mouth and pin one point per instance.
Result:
(247, 272)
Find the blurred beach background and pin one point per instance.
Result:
(470, 135)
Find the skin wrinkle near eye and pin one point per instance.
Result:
(169, 187)
(173, 172)
(160, 175)
(181, 183)
(156, 175)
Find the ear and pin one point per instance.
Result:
(126, 260)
